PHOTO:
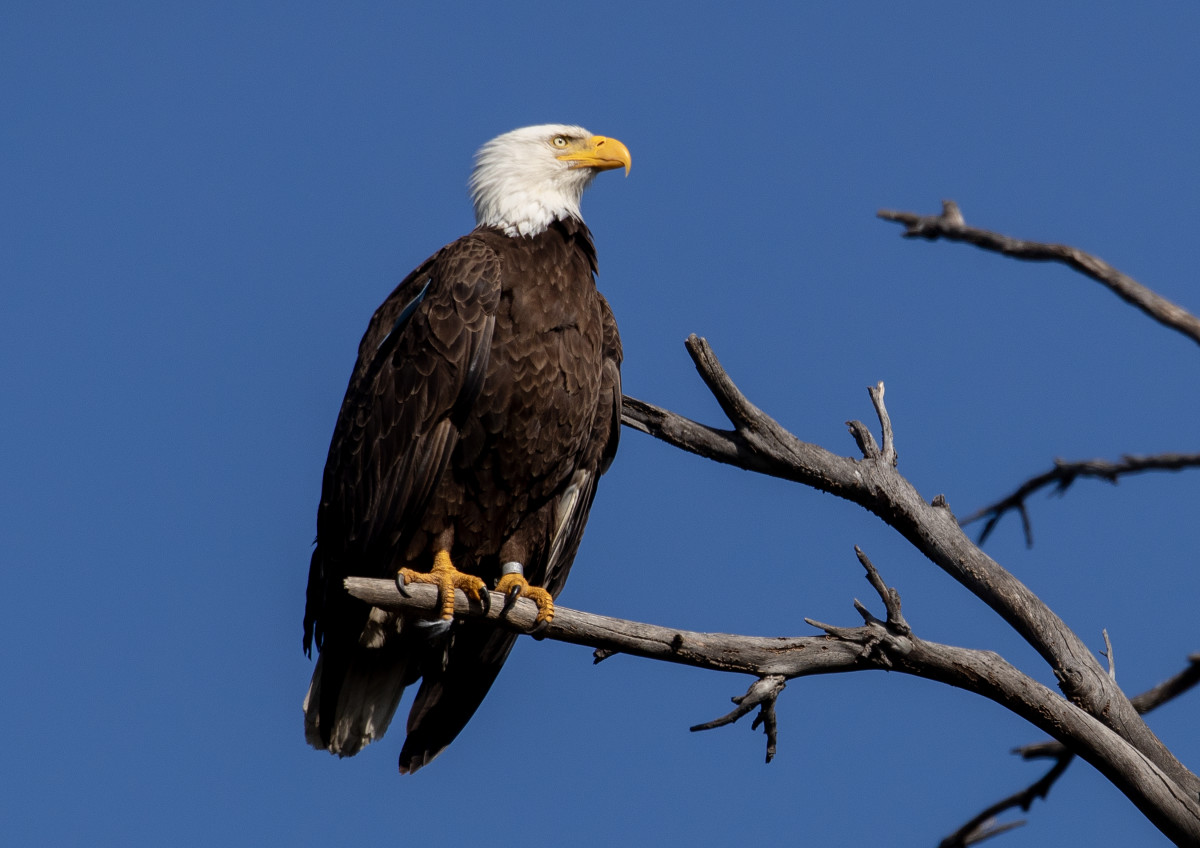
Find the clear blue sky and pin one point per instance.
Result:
(203, 203)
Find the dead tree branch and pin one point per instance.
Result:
(1170, 688)
(1146, 702)
(877, 645)
(951, 226)
(759, 443)
(984, 826)
(1063, 474)
(762, 694)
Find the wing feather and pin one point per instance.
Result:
(419, 371)
(576, 502)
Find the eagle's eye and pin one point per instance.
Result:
(559, 141)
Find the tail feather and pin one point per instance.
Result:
(450, 693)
(354, 694)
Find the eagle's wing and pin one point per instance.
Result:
(420, 368)
(571, 512)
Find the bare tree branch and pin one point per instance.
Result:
(1147, 701)
(876, 645)
(1063, 474)
(759, 443)
(1170, 688)
(762, 693)
(758, 656)
(983, 825)
(951, 226)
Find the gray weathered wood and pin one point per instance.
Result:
(876, 645)
(759, 443)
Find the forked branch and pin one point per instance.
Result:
(759, 443)
(1108, 722)
(762, 694)
(984, 826)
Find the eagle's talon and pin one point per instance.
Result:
(447, 578)
(514, 585)
(485, 600)
(539, 629)
(401, 582)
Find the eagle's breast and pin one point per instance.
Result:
(535, 414)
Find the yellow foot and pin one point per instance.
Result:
(447, 578)
(514, 585)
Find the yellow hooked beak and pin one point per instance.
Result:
(598, 152)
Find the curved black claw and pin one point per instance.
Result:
(400, 586)
(485, 600)
(431, 629)
(510, 598)
(539, 630)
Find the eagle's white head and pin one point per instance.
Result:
(526, 178)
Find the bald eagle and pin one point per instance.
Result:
(483, 408)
